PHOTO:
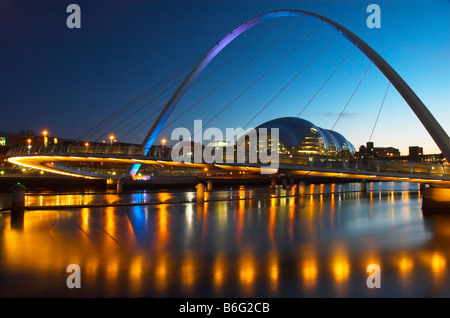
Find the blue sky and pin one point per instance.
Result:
(66, 80)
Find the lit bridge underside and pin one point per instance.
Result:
(62, 160)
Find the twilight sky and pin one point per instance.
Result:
(67, 80)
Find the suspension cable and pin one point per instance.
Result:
(145, 105)
(263, 75)
(298, 74)
(106, 121)
(239, 51)
(348, 102)
(232, 75)
(132, 129)
(382, 103)
(334, 71)
(112, 117)
(100, 130)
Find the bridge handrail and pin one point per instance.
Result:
(96, 149)
(313, 161)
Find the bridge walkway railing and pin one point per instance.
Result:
(304, 161)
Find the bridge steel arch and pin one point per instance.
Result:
(435, 130)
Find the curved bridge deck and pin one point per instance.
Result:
(60, 159)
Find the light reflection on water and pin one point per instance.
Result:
(143, 196)
(316, 246)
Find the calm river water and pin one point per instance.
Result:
(316, 246)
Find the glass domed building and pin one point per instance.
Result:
(299, 136)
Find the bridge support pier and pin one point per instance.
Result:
(363, 186)
(301, 189)
(209, 186)
(119, 186)
(422, 187)
(436, 200)
(17, 205)
(284, 180)
(200, 193)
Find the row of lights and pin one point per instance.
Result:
(111, 138)
(23, 170)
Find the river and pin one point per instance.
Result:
(244, 242)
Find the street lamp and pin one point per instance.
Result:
(111, 138)
(45, 133)
(29, 145)
(163, 143)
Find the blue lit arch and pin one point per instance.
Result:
(429, 122)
